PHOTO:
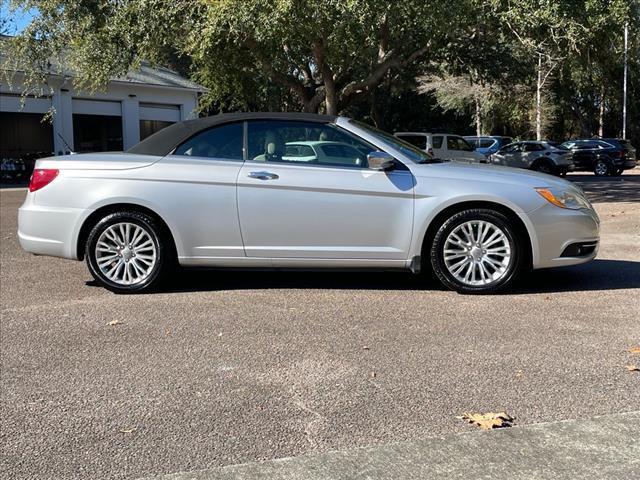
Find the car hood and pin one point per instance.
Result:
(487, 173)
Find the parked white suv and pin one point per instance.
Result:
(443, 145)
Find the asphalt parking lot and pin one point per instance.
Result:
(226, 368)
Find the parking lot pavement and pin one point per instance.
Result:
(228, 368)
(602, 448)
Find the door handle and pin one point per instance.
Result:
(263, 175)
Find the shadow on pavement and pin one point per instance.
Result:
(625, 188)
(593, 276)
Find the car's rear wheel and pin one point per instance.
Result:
(126, 252)
(477, 251)
(601, 168)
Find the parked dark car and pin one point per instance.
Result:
(488, 144)
(602, 156)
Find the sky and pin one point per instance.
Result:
(18, 19)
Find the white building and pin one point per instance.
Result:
(130, 109)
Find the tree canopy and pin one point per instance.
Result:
(525, 67)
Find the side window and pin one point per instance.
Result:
(512, 148)
(437, 141)
(486, 143)
(531, 147)
(305, 142)
(458, 143)
(223, 142)
(419, 141)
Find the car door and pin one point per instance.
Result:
(198, 182)
(530, 152)
(321, 209)
(509, 155)
(459, 149)
(438, 146)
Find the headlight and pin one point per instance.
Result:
(563, 198)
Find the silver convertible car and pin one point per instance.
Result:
(222, 192)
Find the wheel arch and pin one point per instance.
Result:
(521, 228)
(105, 210)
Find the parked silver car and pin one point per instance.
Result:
(542, 157)
(224, 192)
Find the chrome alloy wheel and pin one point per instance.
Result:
(601, 168)
(126, 253)
(477, 253)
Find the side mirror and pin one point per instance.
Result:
(381, 161)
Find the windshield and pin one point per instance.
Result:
(412, 152)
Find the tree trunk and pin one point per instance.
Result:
(539, 100)
(330, 99)
(478, 117)
(330, 96)
(601, 114)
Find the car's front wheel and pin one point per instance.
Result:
(477, 251)
(126, 252)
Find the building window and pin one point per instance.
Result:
(149, 127)
(24, 138)
(97, 133)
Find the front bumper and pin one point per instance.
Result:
(557, 229)
(49, 231)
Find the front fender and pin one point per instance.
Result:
(429, 209)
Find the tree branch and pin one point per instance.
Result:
(389, 61)
(285, 80)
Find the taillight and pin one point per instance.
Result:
(41, 178)
(621, 153)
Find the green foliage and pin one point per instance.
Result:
(363, 57)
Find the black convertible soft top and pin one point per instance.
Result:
(163, 142)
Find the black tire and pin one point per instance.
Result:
(516, 244)
(164, 256)
(544, 166)
(601, 168)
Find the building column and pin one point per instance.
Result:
(130, 122)
(62, 121)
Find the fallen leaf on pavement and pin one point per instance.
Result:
(634, 350)
(633, 368)
(115, 322)
(366, 348)
(488, 420)
(127, 430)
